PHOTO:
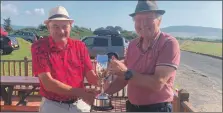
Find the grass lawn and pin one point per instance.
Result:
(209, 48)
(15, 67)
(19, 54)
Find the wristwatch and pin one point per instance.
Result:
(128, 74)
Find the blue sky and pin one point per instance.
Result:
(94, 14)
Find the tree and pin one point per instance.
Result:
(110, 28)
(100, 28)
(7, 25)
(118, 28)
(129, 35)
(42, 27)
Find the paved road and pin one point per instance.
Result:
(208, 66)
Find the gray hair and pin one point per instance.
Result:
(158, 16)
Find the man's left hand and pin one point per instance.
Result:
(90, 95)
(91, 90)
(117, 67)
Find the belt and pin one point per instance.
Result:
(66, 102)
(163, 104)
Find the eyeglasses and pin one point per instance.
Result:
(147, 18)
(60, 27)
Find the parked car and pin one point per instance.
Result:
(28, 36)
(37, 36)
(3, 32)
(106, 42)
(8, 44)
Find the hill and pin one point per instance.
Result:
(17, 27)
(76, 32)
(177, 31)
(194, 31)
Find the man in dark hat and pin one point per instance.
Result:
(150, 65)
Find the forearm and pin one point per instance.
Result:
(148, 81)
(60, 88)
(118, 84)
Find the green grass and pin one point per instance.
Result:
(209, 48)
(19, 54)
(17, 69)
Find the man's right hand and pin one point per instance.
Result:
(89, 95)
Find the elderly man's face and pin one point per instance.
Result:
(146, 24)
(59, 30)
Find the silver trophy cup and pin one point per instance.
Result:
(102, 101)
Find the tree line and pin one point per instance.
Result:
(79, 32)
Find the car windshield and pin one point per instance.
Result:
(100, 42)
(117, 41)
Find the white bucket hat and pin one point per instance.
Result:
(58, 13)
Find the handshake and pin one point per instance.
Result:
(104, 67)
(89, 95)
(92, 95)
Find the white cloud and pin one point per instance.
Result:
(39, 11)
(28, 12)
(9, 9)
(36, 11)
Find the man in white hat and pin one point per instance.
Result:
(61, 64)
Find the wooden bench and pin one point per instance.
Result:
(24, 88)
(10, 108)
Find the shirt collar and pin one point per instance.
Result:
(54, 46)
(138, 44)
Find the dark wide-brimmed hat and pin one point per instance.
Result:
(147, 6)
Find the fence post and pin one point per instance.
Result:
(26, 66)
(176, 105)
(183, 96)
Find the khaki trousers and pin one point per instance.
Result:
(49, 106)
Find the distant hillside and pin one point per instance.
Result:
(177, 31)
(16, 27)
(194, 31)
(76, 32)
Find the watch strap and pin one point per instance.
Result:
(128, 74)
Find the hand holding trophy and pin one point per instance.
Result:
(102, 101)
